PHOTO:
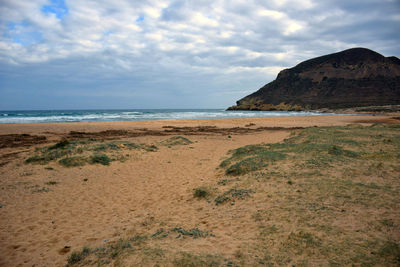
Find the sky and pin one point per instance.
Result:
(107, 54)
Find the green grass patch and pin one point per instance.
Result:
(186, 259)
(315, 147)
(102, 159)
(77, 153)
(338, 151)
(201, 192)
(267, 231)
(41, 190)
(232, 195)
(102, 255)
(319, 178)
(176, 141)
(246, 165)
(120, 145)
(77, 257)
(390, 250)
(36, 159)
(120, 252)
(193, 233)
(303, 239)
(160, 233)
(74, 161)
(227, 181)
(106, 147)
(117, 248)
(60, 145)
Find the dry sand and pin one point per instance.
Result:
(136, 196)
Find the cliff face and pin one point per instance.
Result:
(351, 78)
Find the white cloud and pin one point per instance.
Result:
(152, 12)
(286, 24)
(201, 20)
(301, 4)
(292, 26)
(271, 14)
(217, 27)
(226, 40)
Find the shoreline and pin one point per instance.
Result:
(286, 122)
(149, 115)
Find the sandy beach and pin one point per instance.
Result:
(49, 210)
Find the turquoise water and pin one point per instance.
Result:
(38, 116)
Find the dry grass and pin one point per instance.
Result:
(78, 153)
(327, 196)
(176, 141)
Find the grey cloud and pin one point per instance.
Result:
(199, 53)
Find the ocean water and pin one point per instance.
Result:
(40, 116)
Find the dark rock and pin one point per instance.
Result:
(355, 77)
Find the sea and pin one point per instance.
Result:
(42, 116)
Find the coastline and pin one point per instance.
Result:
(61, 116)
(295, 121)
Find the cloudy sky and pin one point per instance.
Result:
(78, 54)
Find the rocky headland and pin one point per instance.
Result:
(356, 77)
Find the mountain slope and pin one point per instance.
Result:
(351, 78)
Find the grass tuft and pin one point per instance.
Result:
(194, 233)
(60, 145)
(76, 257)
(232, 195)
(201, 192)
(338, 151)
(175, 141)
(41, 190)
(73, 161)
(102, 159)
(391, 251)
(186, 259)
(250, 158)
(36, 159)
(119, 247)
(317, 146)
(65, 152)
